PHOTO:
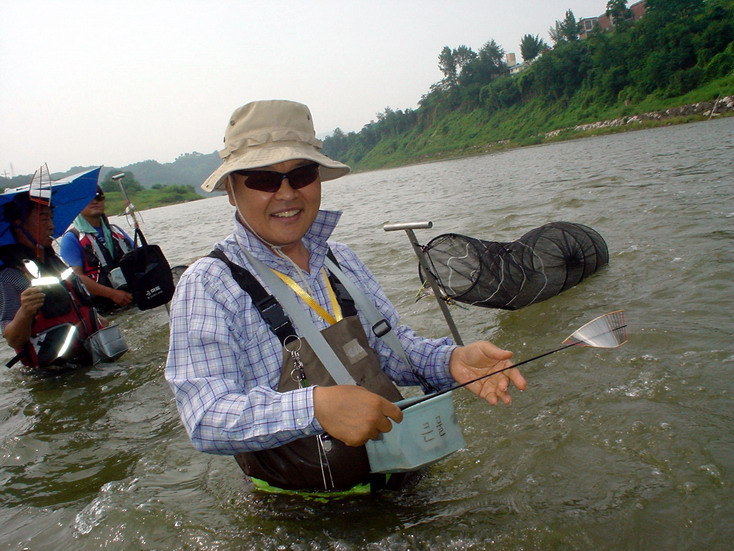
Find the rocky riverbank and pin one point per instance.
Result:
(701, 109)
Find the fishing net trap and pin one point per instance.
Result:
(541, 264)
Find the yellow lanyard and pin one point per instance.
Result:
(308, 299)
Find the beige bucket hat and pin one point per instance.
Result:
(264, 133)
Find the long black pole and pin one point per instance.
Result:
(543, 355)
(455, 387)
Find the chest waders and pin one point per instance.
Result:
(316, 463)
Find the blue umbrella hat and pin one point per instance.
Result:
(67, 197)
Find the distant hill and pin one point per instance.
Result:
(189, 169)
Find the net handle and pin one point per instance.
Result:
(408, 227)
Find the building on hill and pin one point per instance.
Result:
(512, 64)
(605, 23)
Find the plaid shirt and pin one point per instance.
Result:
(224, 363)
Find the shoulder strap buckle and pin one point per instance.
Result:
(381, 328)
(274, 315)
(269, 308)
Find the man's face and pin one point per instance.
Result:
(95, 208)
(39, 224)
(281, 217)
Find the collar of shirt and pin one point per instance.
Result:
(315, 240)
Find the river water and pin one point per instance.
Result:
(630, 448)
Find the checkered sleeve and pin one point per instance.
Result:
(12, 284)
(223, 365)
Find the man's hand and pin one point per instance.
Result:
(353, 414)
(18, 331)
(482, 357)
(31, 301)
(120, 297)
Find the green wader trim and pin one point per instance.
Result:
(359, 489)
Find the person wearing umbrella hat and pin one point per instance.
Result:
(45, 324)
(247, 381)
(93, 248)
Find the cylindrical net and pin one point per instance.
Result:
(541, 264)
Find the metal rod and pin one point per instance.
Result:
(130, 209)
(408, 228)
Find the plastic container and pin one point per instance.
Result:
(428, 433)
(106, 345)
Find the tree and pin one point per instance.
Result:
(447, 65)
(570, 27)
(478, 70)
(336, 145)
(463, 55)
(618, 12)
(452, 62)
(500, 94)
(531, 46)
(566, 30)
(675, 8)
(556, 33)
(484, 66)
(492, 53)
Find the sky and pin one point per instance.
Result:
(102, 82)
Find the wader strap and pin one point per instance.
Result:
(380, 326)
(345, 299)
(121, 241)
(270, 311)
(98, 251)
(302, 321)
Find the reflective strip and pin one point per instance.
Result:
(67, 341)
(32, 268)
(50, 280)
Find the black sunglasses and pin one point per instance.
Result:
(99, 196)
(269, 180)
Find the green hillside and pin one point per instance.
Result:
(680, 52)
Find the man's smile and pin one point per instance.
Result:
(287, 213)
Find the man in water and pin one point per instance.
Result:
(250, 385)
(93, 248)
(36, 321)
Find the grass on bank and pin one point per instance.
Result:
(149, 198)
(460, 133)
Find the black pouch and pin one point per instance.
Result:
(57, 302)
(148, 274)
